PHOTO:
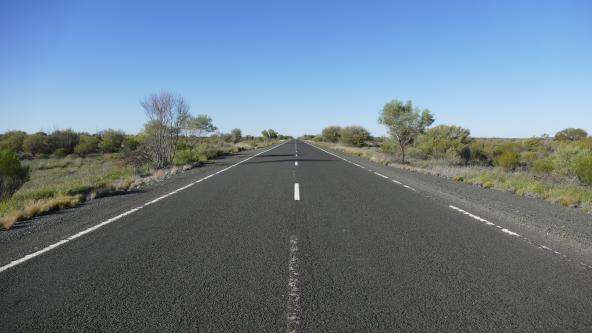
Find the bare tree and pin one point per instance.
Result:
(168, 114)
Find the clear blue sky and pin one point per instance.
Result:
(499, 68)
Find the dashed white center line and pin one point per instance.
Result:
(293, 291)
(296, 163)
(296, 191)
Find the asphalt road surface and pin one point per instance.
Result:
(296, 239)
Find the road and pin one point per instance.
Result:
(296, 239)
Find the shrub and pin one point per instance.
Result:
(565, 157)
(12, 174)
(130, 144)
(13, 141)
(63, 140)
(571, 134)
(60, 153)
(186, 156)
(543, 166)
(88, 144)
(36, 144)
(331, 133)
(112, 141)
(465, 154)
(508, 160)
(583, 168)
(236, 135)
(354, 135)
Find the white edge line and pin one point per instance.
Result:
(115, 218)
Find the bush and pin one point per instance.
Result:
(565, 157)
(583, 168)
(236, 134)
(465, 154)
(36, 144)
(12, 174)
(571, 134)
(88, 144)
(186, 156)
(112, 141)
(331, 133)
(130, 144)
(13, 141)
(508, 160)
(64, 141)
(354, 135)
(542, 166)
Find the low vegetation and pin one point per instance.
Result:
(44, 172)
(557, 169)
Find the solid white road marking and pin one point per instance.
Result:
(363, 167)
(115, 218)
(409, 187)
(380, 175)
(293, 291)
(296, 191)
(525, 239)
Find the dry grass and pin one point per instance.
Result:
(62, 183)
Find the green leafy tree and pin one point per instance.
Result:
(354, 135)
(571, 134)
(404, 122)
(269, 134)
(331, 133)
(12, 174)
(201, 125)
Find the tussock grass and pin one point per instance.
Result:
(553, 189)
(58, 183)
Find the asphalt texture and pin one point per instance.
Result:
(237, 252)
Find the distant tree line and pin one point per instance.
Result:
(567, 154)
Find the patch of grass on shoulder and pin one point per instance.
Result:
(58, 183)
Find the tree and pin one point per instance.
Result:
(36, 144)
(112, 140)
(404, 122)
(62, 142)
(571, 134)
(354, 135)
(331, 133)
(167, 114)
(13, 140)
(200, 125)
(12, 174)
(269, 134)
(88, 144)
(236, 135)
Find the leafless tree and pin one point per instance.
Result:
(167, 113)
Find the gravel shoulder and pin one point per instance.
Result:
(29, 236)
(564, 229)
